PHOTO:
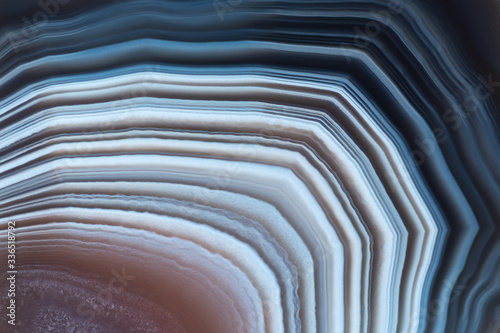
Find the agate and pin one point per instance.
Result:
(246, 166)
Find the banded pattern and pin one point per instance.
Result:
(247, 166)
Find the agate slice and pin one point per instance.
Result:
(247, 166)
